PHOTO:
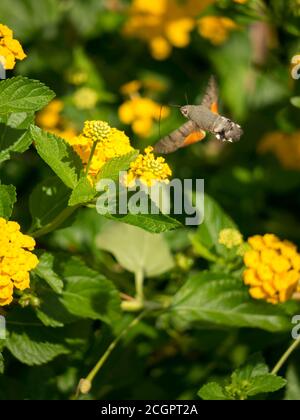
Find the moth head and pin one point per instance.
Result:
(185, 111)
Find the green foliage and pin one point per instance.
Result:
(293, 384)
(59, 155)
(113, 167)
(296, 101)
(14, 137)
(84, 192)
(47, 201)
(136, 250)
(8, 198)
(33, 347)
(45, 270)
(246, 382)
(160, 307)
(220, 299)
(150, 222)
(206, 240)
(82, 291)
(20, 94)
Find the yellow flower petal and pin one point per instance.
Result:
(252, 258)
(160, 48)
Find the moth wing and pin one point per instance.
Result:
(181, 137)
(211, 96)
(194, 137)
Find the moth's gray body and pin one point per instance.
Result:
(223, 128)
(201, 118)
(201, 115)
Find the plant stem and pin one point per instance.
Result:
(91, 158)
(285, 356)
(139, 285)
(62, 217)
(90, 377)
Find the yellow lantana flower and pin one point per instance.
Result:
(16, 260)
(216, 28)
(148, 169)
(50, 119)
(96, 130)
(273, 268)
(141, 114)
(230, 238)
(164, 24)
(110, 143)
(286, 148)
(10, 48)
(131, 88)
(85, 98)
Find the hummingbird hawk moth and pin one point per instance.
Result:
(202, 118)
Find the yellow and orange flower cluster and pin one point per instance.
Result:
(148, 169)
(107, 143)
(286, 148)
(273, 268)
(16, 260)
(10, 48)
(216, 28)
(111, 143)
(51, 120)
(164, 24)
(141, 113)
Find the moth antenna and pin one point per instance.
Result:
(175, 106)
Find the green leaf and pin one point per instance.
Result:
(136, 250)
(59, 155)
(151, 222)
(293, 383)
(254, 378)
(296, 101)
(113, 167)
(33, 348)
(82, 193)
(52, 312)
(220, 299)
(148, 217)
(212, 391)
(47, 201)
(14, 136)
(86, 293)
(264, 384)
(20, 94)
(32, 343)
(248, 381)
(20, 120)
(215, 220)
(45, 270)
(8, 198)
